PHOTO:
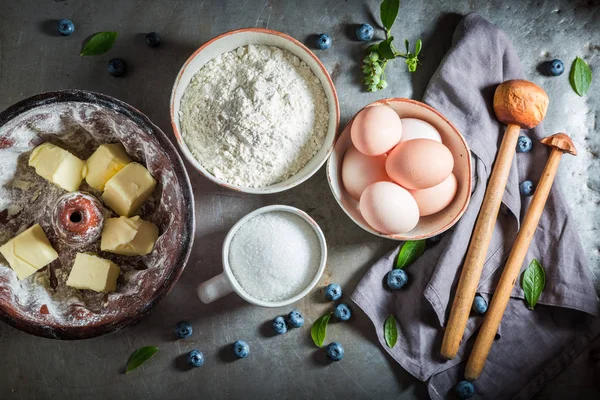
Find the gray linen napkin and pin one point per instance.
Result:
(532, 346)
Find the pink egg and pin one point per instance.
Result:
(389, 208)
(436, 198)
(419, 163)
(376, 130)
(414, 128)
(359, 171)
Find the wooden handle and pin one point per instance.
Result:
(494, 314)
(480, 241)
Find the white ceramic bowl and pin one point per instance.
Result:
(430, 225)
(230, 41)
(225, 283)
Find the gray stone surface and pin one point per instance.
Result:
(33, 59)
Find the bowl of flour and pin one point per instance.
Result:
(255, 111)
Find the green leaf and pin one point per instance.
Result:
(98, 44)
(373, 48)
(418, 47)
(533, 282)
(410, 251)
(390, 331)
(580, 76)
(406, 44)
(389, 12)
(318, 332)
(385, 49)
(139, 357)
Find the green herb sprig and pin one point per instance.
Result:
(533, 282)
(410, 251)
(139, 357)
(379, 54)
(390, 331)
(580, 76)
(318, 332)
(99, 44)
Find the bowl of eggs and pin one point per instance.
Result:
(401, 170)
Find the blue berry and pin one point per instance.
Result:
(333, 292)
(279, 325)
(464, 389)
(364, 32)
(241, 349)
(65, 27)
(183, 329)
(524, 144)
(295, 319)
(480, 306)
(323, 41)
(195, 358)
(396, 279)
(116, 67)
(526, 188)
(556, 67)
(152, 39)
(335, 351)
(342, 312)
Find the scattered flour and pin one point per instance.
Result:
(274, 256)
(254, 116)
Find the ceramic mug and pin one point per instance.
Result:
(226, 283)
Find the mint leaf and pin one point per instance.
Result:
(580, 76)
(418, 47)
(139, 357)
(410, 251)
(318, 332)
(533, 282)
(98, 44)
(390, 331)
(388, 12)
(385, 49)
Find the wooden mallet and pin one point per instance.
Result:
(560, 143)
(518, 104)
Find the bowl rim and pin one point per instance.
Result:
(237, 288)
(57, 331)
(387, 101)
(265, 189)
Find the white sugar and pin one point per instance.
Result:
(274, 256)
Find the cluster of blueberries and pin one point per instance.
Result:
(524, 145)
(364, 33)
(116, 66)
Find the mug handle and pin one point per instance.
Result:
(214, 288)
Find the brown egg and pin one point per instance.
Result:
(376, 130)
(419, 164)
(436, 198)
(359, 171)
(389, 208)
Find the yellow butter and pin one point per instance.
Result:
(107, 160)
(128, 189)
(28, 251)
(128, 236)
(58, 166)
(93, 273)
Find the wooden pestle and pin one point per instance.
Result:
(560, 143)
(518, 104)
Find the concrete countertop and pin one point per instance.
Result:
(34, 59)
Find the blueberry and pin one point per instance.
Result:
(524, 144)
(295, 319)
(65, 27)
(152, 39)
(364, 32)
(195, 358)
(480, 306)
(526, 188)
(279, 325)
(556, 67)
(335, 351)
(342, 312)
(333, 292)
(464, 389)
(183, 329)
(116, 67)
(323, 41)
(241, 349)
(396, 279)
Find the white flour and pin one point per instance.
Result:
(254, 116)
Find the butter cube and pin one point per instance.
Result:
(94, 273)
(107, 160)
(28, 251)
(58, 166)
(128, 236)
(128, 189)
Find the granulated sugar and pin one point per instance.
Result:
(274, 256)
